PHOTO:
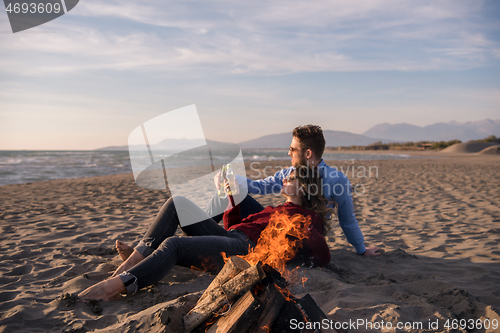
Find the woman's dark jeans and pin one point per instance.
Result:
(162, 250)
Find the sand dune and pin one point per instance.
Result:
(437, 219)
(493, 150)
(467, 147)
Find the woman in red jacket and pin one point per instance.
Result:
(159, 250)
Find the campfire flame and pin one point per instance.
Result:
(278, 244)
(279, 241)
(286, 293)
(206, 265)
(304, 279)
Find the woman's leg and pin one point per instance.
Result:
(166, 222)
(216, 206)
(123, 249)
(250, 206)
(176, 211)
(200, 251)
(203, 252)
(163, 226)
(186, 251)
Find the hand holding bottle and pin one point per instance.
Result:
(219, 182)
(234, 188)
(227, 189)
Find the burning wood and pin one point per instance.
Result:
(279, 241)
(257, 295)
(266, 305)
(223, 292)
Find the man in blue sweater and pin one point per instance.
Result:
(308, 144)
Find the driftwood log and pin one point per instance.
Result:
(251, 313)
(243, 313)
(231, 268)
(272, 305)
(215, 298)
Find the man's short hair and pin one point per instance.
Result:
(311, 136)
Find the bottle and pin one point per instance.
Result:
(221, 192)
(231, 179)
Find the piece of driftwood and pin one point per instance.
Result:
(255, 311)
(311, 309)
(215, 298)
(303, 310)
(232, 267)
(243, 315)
(272, 306)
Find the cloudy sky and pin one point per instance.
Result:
(89, 78)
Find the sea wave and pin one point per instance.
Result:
(29, 166)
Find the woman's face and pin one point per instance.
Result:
(290, 185)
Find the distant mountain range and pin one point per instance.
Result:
(383, 132)
(332, 138)
(175, 145)
(167, 144)
(472, 130)
(282, 140)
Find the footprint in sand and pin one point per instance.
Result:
(20, 270)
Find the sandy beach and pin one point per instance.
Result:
(436, 218)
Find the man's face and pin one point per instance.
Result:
(297, 153)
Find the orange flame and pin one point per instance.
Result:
(210, 322)
(279, 241)
(206, 265)
(287, 295)
(224, 256)
(290, 298)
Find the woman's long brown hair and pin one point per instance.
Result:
(311, 187)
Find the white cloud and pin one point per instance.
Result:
(258, 37)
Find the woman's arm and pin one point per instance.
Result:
(232, 213)
(231, 216)
(316, 251)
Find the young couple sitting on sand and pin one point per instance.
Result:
(159, 250)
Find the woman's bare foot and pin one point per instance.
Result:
(106, 290)
(135, 258)
(123, 250)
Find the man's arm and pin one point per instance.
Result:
(269, 185)
(347, 220)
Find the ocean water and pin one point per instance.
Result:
(17, 167)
